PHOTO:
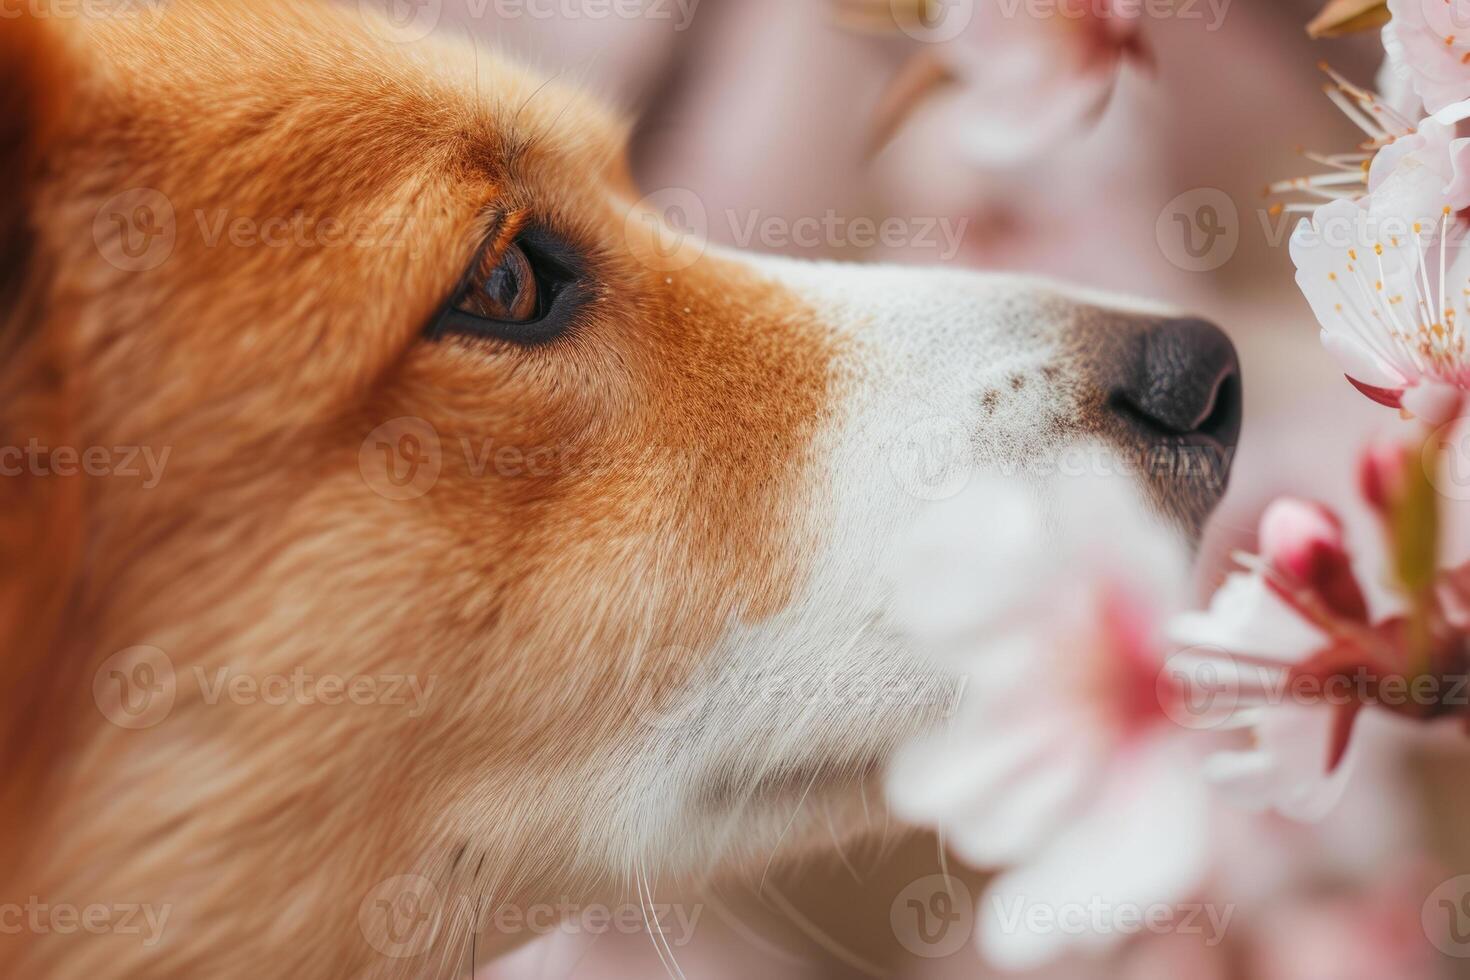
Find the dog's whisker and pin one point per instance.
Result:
(794, 812)
(837, 845)
(942, 849)
(722, 838)
(655, 928)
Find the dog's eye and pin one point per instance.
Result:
(503, 288)
(523, 294)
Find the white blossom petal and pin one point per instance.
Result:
(1144, 841)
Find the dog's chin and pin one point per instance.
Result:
(803, 812)
(828, 792)
(1190, 504)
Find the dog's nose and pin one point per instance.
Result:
(1186, 383)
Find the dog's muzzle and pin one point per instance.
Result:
(1174, 398)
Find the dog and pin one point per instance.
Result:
(403, 522)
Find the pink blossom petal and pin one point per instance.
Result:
(1432, 402)
(1457, 191)
(960, 568)
(1004, 130)
(1249, 777)
(1395, 83)
(1433, 50)
(1290, 772)
(1451, 114)
(1388, 397)
(1303, 541)
(1010, 826)
(1361, 364)
(1407, 182)
(1246, 617)
(1383, 473)
(1144, 841)
(1336, 286)
(1029, 81)
(934, 778)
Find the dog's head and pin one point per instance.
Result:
(390, 492)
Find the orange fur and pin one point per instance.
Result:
(263, 549)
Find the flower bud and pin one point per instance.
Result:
(1383, 475)
(1303, 541)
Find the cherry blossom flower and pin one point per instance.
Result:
(1383, 262)
(1431, 43)
(1026, 77)
(1299, 654)
(1062, 764)
(1239, 654)
(1390, 287)
(1028, 80)
(1395, 80)
(1384, 121)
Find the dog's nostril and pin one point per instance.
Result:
(1186, 382)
